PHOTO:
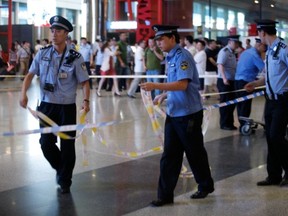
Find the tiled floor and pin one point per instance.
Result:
(105, 183)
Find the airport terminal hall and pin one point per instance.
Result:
(143, 108)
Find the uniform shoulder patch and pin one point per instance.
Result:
(46, 47)
(83, 66)
(184, 65)
(74, 53)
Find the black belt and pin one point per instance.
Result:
(284, 95)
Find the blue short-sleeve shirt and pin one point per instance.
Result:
(227, 58)
(249, 65)
(277, 61)
(181, 65)
(64, 78)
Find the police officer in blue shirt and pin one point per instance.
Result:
(226, 63)
(249, 65)
(276, 106)
(60, 69)
(183, 131)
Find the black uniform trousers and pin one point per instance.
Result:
(244, 107)
(63, 159)
(226, 112)
(276, 120)
(183, 134)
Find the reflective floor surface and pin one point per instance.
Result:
(119, 176)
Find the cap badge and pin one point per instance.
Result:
(155, 28)
(56, 19)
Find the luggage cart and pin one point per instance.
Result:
(250, 126)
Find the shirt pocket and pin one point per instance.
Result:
(44, 70)
(172, 71)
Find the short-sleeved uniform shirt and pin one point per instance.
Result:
(227, 58)
(181, 65)
(249, 65)
(86, 51)
(64, 77)
(277, 62)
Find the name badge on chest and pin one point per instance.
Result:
(62, 75)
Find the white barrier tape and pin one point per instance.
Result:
(234, 101)
(56, 129)
(120, 76)
(227, 92)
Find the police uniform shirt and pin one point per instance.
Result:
(181, 66)
(64, 79)
(86, 52)
(277, 67)
(227, 58)
(249, 65)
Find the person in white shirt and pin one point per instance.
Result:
(107, 68)
(139, 68)
(200, 59)
(189, 45)
(38, 46)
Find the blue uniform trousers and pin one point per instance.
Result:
(63, 159)
(183, 134)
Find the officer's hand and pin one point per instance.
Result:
(226, 81)
(86, 106)
(159, 99)
(148, 86)
(23, 101)
(249, 87)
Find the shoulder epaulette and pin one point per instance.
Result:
(178, 51)
(282, 45)
(74, 53)
(226, 49)
(46, 47)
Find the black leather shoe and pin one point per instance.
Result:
(284, 182)
(268, 182)
(64, 190)
(131, 96)
(159, 202)
(200, 194)
(229, 128)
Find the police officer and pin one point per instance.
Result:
(226, 63)
(183, 131)
(248, 68)
(276, 106)
(60, 70)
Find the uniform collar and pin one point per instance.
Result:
(173, 50)
(229, 48)
(274, 44)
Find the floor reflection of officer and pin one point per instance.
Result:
(226, 63)
(276, 118)
(60, 70)
(249, 65)
(183, 131)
